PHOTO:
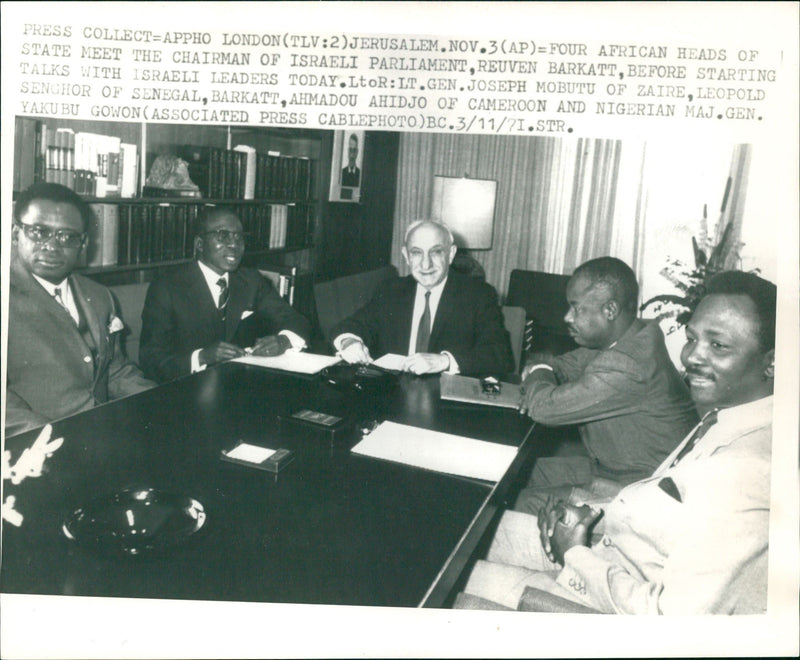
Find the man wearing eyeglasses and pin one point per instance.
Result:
(63, 356)
(443, 321)
(211, 310)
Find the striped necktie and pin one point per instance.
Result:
(224, 294)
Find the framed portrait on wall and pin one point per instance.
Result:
(346, 172)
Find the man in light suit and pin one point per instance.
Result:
(692, 538)
(210, 310)
(620, 387)
(63, 349)
(443, 321)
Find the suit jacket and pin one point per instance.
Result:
(631, 404)
(180, 316)
(52, 372)
(468, 323)
(693, 538)
(351, 180)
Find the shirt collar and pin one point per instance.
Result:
(211, 277)
(748, 415)
(50, 287)
(436, 291)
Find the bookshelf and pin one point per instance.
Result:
(271, 176)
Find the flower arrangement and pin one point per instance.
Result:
(710, 258)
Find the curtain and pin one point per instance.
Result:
(557, 199)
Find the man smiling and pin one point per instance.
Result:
(693, 537)
(442, 321)
(208, 311)
(63, 352)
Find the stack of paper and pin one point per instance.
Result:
(437, 451)
(295, 361)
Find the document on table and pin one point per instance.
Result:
(469, 390)
(437, 451)
(295, 361)
(391, 361)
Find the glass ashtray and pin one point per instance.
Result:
(135, 522)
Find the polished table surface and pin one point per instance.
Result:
(332, 528)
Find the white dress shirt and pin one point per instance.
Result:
(66, 296)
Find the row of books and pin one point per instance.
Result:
(283, 279)
(89, 163)
(130, 234)
(244, 173)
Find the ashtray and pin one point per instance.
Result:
(135, 521)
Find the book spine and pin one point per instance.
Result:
(123, 233)
(94, 242)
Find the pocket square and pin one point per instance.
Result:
(246, 313)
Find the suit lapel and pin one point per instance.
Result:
(407, 312)
(447, 309)
(86, 309)
(237, 303)
(41, 299)
(197, 290)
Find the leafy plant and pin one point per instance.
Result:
(709, 259)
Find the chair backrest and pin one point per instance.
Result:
(130, 302)
(340, 298)
(514, 320)
(544, 297)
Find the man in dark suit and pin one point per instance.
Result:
(351, 175)
(443, 321)
(210, 310)
(63, 329)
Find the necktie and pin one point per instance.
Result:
(424, 330)
(709, 419)
(60, 300)
(224, 294)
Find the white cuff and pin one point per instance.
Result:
(298, 343)
(453, 368)
(529, 370)
(339, 340)
(195, 364)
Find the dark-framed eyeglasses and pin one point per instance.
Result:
(43, 233)
(225, 236)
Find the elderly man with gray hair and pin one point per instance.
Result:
(442, 320)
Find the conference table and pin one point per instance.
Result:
(333, 527)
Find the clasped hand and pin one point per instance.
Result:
(563, 526)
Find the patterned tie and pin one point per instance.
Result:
(224, 294)
(60, 300)
(424, 329)
(709, 419)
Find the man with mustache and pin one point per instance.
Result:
(620, 387)
(63, 351)
(208, 311)
(693, 537)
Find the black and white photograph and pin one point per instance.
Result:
(400, 330)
